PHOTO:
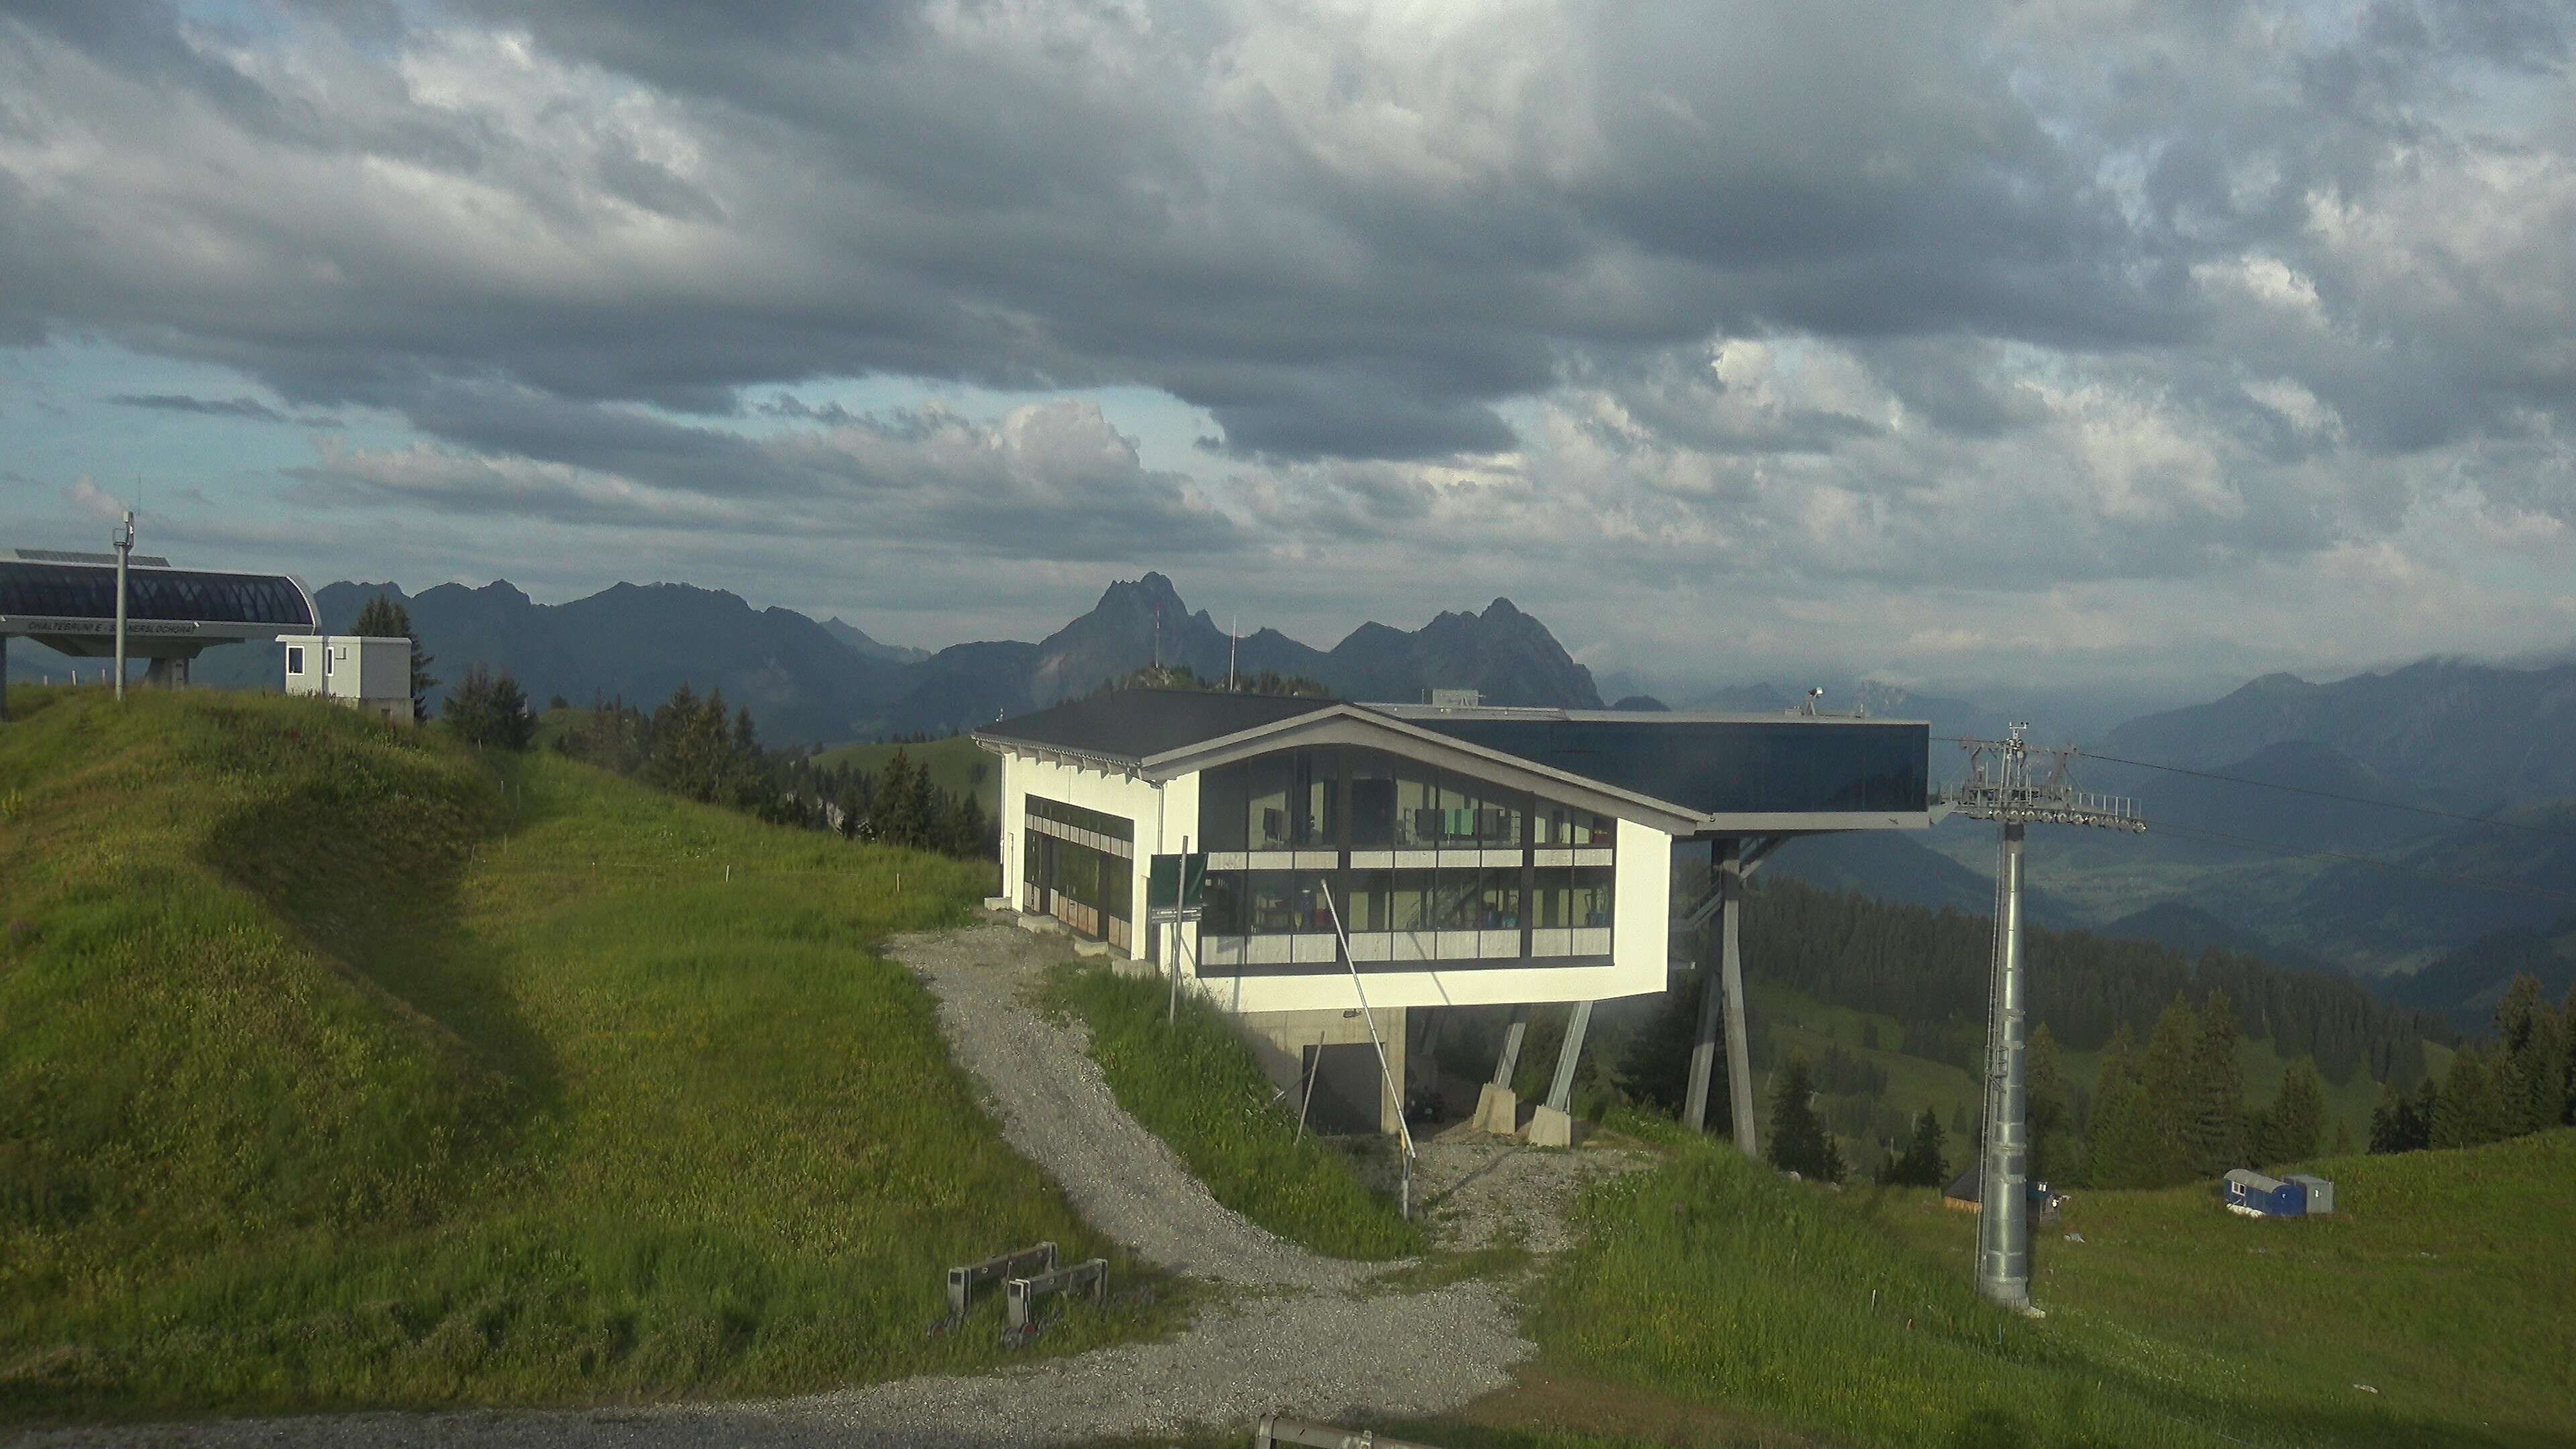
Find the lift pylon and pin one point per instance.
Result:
(2015, 785)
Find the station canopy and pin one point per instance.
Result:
(67, 601)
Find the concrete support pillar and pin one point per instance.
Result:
(1553, 1124)
(1510, 1061)
(1498, 1107)
(1560, 1093)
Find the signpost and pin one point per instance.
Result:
(1175, 887)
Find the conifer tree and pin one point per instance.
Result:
(2129, 1147)
(2428, 1100)
(2342, 1138)
(2165, 1071)
(2054, 1149)
(2470, 1114)
(1798, 1142)
(2214, 1110)
(1922, 1163)
(2296, 1120)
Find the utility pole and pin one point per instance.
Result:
(124, 541)
(2002, 787)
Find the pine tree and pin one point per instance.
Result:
(2165, 1072)
(2342, 1138)
(2129, 1147)
(2046, 1098)
(2428, 1100)
(1922, 1163)
(2214, 1110)
(1798, 1142)
(489, 709)
(2296, 1120)
(2470, 1114)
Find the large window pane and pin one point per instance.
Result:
(1372, 799)
(1320, 786)
(1410, 900)
(1266, 822)
(1371, 905)
(1221, 906)
(1269, 903)
(1221, 809)
(1500, 905)
(1417, 806)
(1459, 899)
(1591, 895)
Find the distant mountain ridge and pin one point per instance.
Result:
(815, 682)
(2484, 735)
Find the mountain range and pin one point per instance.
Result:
(809, 682)
(2348, 823)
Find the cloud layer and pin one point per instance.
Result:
(1974, 336)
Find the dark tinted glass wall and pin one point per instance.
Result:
(1330, 797)
(1727, 766)
(70, 591)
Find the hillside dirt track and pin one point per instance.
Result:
(1288, 1330)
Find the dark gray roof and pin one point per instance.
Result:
(1138, 724)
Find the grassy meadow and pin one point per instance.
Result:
(344, 1066)
(957, 765)
(2445, 1283)
(1195, 1084)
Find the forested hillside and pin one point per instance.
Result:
(1931, 967)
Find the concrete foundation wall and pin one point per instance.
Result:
(1280, 1040)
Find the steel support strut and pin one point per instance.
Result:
(2003, 1197)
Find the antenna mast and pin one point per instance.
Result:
(2004, 784)
(123, 538)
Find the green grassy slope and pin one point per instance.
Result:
(345, 1067)
(2445, 1283)
(956, 765)
(1194, 1083)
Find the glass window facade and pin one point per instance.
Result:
(73, 591)
(1730, 766)
(1511, 877)
(1078, 865)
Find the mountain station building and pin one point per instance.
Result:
(1470, 856)
(67, 601)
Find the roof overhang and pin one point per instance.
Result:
(1374, 727)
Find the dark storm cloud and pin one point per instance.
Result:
(2022, 295)
(1048, 480)
(1084, 200)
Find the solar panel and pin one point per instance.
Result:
(56, 555)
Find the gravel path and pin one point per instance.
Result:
(1298, 1335)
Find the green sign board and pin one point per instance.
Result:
(1175, 885)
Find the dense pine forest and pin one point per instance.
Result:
(693, 745)
(2168, 1101)
(1931, 968)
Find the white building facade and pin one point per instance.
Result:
(373, 675)
(1469, 856)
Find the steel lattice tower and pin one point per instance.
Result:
(2002, 786)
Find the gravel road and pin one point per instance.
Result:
(1297, 1336)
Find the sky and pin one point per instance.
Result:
(2087, 345)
